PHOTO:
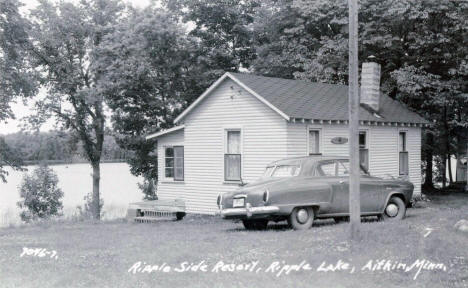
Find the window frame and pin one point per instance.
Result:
(404, 150)
(225, 154)
(366, 148)
(174, 178)
(183, 163)
(319, 130)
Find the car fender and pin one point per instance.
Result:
(286, 209)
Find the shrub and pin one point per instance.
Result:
(41, 198)
(148, 189)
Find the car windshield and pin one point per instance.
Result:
(282, 171)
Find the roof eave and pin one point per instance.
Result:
(164, 132)
(238, 82)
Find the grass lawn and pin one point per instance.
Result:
(101, 254)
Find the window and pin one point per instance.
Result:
(314, 141)
(327, 168)
(343, 168)
(232, 156)
(363, 150)
(174, 163)
(403, 154)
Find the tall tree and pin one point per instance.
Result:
(420, 45)
(17, 79)
(149, 76)
(224, 30)
(63, 47)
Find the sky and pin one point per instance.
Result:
(21, 110)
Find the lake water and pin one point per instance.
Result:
(118, 188)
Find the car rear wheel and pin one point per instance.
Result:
(258, 224)
(395, 209)
(301, 218)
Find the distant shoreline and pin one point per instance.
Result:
(62, 162)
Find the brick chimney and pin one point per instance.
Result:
(370, 84)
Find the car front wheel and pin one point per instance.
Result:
(301, 218)
(395, 209)
(260, 224)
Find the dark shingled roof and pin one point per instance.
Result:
(319, 101)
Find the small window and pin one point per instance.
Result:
(327, 168)
(169, 158)
(363, 150)
(403, 154)
(179, 163)
(402, 141)
(232, 156)
(174, 163)
(314, 141)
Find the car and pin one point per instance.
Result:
(300, 190)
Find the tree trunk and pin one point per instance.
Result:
(444, 170)
(96, 196)
(428, 181)
(444, 153)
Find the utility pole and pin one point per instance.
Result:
(353, 111)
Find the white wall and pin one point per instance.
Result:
(383, 147)
(169, 189)
(263, 134)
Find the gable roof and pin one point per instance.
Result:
(164, 132)
(302, 99)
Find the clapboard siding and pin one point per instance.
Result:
(383, 150)
(297, 139)
(168, 189)
(382, 144)
(229, 106)
(414, 154)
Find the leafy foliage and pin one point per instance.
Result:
(17, 79)
(41, 197)
(148, 189)
(58, 146)
(8, 157)
(420, 45)
(149, 73)
(62, 47)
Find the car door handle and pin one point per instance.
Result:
(342, 182)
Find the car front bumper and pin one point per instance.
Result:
(248, 211)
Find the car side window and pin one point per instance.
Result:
(343, 168)
(327, 168)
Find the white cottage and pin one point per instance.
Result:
(243, 122)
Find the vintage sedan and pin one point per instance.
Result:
(302, 189)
